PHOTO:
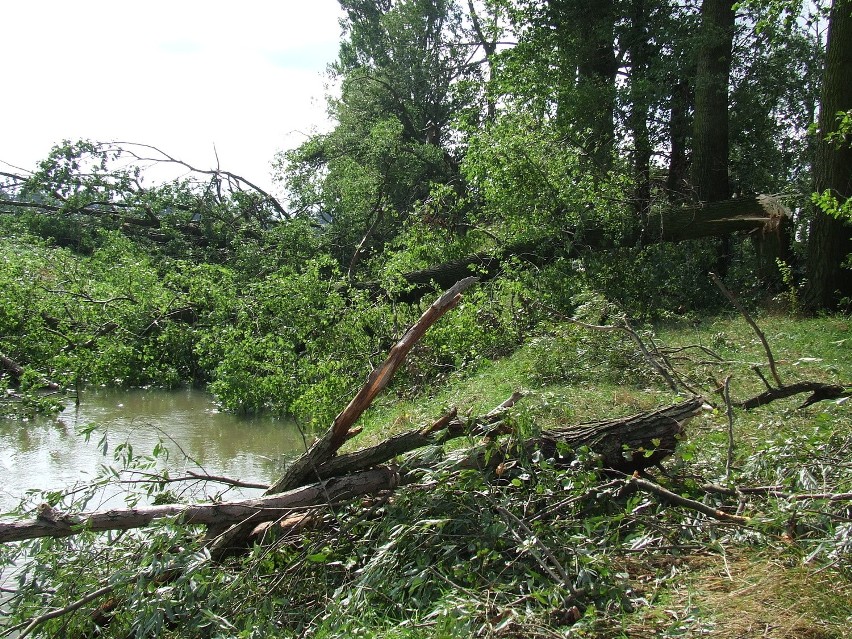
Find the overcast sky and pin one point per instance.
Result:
(182, 75)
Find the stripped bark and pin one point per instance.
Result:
(327, 446)
(50, 523)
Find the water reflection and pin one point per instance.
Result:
(49, 454)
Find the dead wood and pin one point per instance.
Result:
(446, 428)
(819, 392)
(304, 468)
(626, 444)
(674, 498)
(50, 523)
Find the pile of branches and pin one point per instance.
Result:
(623, 449)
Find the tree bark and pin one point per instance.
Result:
(628, 444)
(49, 523)
(830, 239)
(679, 125)
(639, 49)
(764, 215)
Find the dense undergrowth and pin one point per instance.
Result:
(536, 551)
(546, 163)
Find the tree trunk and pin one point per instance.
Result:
(49, 523)
(676, 181)
(710, 146)
(710, 132)
(638, 118)
(763, 214)
(830, 239)
(587, 65)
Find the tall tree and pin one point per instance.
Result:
(710, 142)
(587, 65)
(830, 237)
(710, 132)
(404, 68)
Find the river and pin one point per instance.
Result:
(50, 454)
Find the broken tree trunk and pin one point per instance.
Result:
(304, 468)
(626, 444)
(764, 217)
(450, 426)
(49, 523)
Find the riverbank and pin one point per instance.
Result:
(540, 551)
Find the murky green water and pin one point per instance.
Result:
(50, 454)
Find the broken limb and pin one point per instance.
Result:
(50, 523)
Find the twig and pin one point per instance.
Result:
(751, 323)
(729, 410)
(154, 478)
(661, 370)
(543, 548)
(668, 495)
(53, 614)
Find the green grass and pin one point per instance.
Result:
(460, 553)
(790, 575)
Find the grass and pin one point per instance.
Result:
(547, 552)
(788, 577)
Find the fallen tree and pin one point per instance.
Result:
(627, 444)
(319, 476)
(763, 217)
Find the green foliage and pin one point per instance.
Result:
(531, 184)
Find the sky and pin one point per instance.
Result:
(184, 75)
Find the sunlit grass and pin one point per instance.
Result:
(766, 583)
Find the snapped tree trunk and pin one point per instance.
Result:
(830, 239)
(626, 444)
(763, 216)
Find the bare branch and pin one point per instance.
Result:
(676, 499)
(751, 323)
(729, 411)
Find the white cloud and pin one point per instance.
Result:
(181, 75)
